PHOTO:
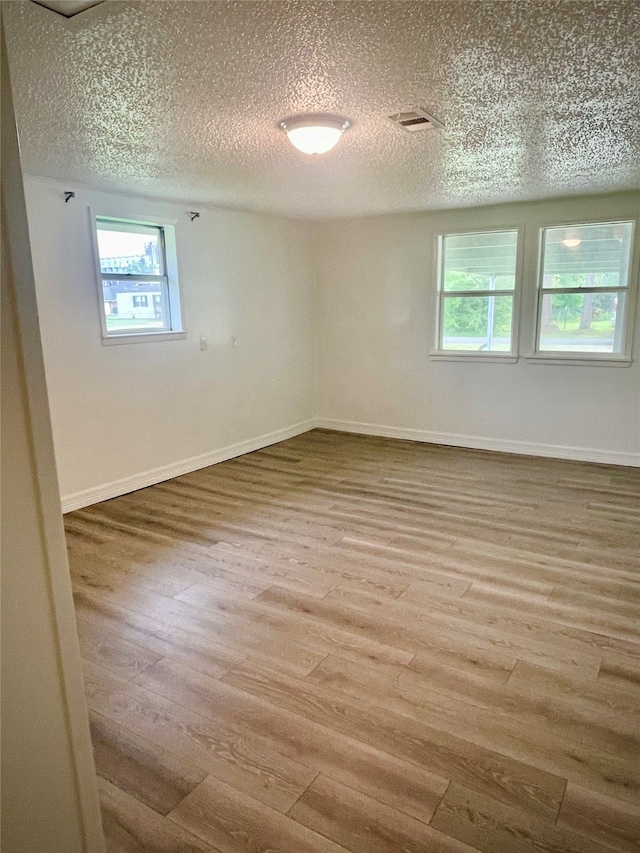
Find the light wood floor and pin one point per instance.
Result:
(350, 643)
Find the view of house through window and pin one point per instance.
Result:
(583, 288)
(134, 280)
(477, 285)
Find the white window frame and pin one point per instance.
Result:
(477, 355)
(612, 359)
(169, 281)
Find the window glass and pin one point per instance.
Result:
(583, 287)
(138, 295)
(581, 322)
(134, 307)
(483, 261)
(477, 323)
(127, 249)
(587, 255)
(473, 267)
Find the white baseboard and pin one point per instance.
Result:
(113, 489)
(528, 448)
(165, 472)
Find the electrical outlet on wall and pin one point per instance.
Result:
(204, 343)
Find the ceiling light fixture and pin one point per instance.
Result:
(314, 133)
(571, 242)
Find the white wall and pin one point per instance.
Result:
(375, 279)
(127, 415)
(49, 792)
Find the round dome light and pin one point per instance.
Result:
(314, 133)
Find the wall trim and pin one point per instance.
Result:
(115, 488)
(527, 448)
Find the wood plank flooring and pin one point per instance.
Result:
(343, 643)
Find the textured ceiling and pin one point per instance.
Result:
(182, 99)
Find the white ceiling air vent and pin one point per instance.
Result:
(415, 120)
(68, 8)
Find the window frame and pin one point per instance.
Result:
(436, 353)
(560, 357)
(170, 284)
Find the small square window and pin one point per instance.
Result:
(583, 289)
(476, 291)
(137, 270)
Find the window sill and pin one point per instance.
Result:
(578, 361)
(506, 358)
(144, 338)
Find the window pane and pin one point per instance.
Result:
(134, 306)
(129, 249)
(587, 255)
(477, 323)
(485, 261)
(582, 322)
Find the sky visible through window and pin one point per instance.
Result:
(119, 243)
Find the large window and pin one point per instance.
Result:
(583, 289)
(138, 283)
(476, 292)
(569, 289)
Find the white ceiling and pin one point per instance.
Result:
(182, 99)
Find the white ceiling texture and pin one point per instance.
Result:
(182, 100)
